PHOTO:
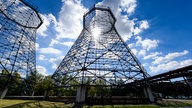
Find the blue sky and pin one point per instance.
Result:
(158, 31)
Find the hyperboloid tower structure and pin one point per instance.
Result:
(18, 24)
(99, 58)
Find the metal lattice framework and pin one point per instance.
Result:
(18, 24)
(99, 55)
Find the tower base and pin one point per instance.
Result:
(149, 95)
(3, 92)
(81, 94)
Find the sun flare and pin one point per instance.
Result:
(96, 32)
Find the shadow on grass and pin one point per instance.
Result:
(26, 104)
(49, 104)
(77, 105)
(34, 104)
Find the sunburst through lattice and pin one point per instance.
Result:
(99, 55)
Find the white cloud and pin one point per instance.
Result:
(114, 8)
(147, 44)
(131, 45)
(169, 57)
(134, 51)
(53, 42)
(167, 62)
(55, 61)
(69, 44)
(42, 70)
(37, 46)
(152, 55)
(128, 5)
(49, 50)
(42, 57)
(142, 52)
(142, 26)
(47, 19)
(124, 25)
(70, 19)
(136, 31)
(170, 66)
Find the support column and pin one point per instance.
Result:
(81, 94)
(33, 92)
(148, 94)
(3, 92)
(189, 81)
(46, 94)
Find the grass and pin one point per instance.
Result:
(124, 106)
(174, 103)
(5, 103)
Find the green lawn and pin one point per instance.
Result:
(4, 103)
(124, 106)
(174, 103)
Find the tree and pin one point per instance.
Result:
(43, 83)
(15, 84)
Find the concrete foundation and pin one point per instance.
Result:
(46, 94)
(3, 92)
(32, 94)
(148, 94)
(81, 94)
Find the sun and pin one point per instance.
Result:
(96, 32)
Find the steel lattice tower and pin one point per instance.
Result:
(99, 55)
(18, 24)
